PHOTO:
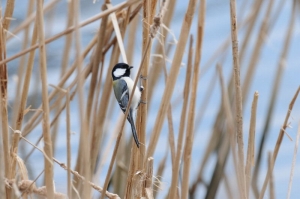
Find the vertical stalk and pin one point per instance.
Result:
(183, 120)
(185, 29)
(238, 96)
(251, 144)
(46, 125)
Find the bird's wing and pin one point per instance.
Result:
(124, 97)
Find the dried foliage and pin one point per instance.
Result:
(170, 119)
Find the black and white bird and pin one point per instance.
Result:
(123, 86)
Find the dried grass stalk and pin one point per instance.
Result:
(97, 57)
(238, 97)
(278, 144)
(155, 70)
(21, 70)
(263, 31)
(271, 189)
(230, 139)
(189, 139)
(3, 105)
(68, 138)
(46, 124)
(10, 5)
(185, 29)
(293, 164)
(148, 182)
(13, 153)
(183, 120)
(251, 143)
(27, 80)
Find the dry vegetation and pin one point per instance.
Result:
(84, 86)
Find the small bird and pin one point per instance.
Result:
(123, 86)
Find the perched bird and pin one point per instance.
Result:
(123, 86)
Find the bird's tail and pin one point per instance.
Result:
(134, 134)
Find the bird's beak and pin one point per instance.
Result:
(130, 67)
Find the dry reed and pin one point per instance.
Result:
(238, 97)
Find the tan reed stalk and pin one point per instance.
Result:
(188, 145)
(213, 141)
(13, 158)
(293, 165)
(83, 158)
(148, 15)
(191, 117)
(102, 113)
(171, 136)
(183, 120)
(138, 154)
(46, 125)
(97, 57)
(64, 65)
(251, 143)
(131, 38)
(71, 29)
(21, 69)
(10, 5)
(68, 138)
(207, 99)
(13, 153)
(156, 69)
(3, 98)
(109, 144)
(185, 29)
(271, 183)
(2, 165)
(263, 31)
(26, 82)
(274, 93)
(228, 187)
(238, 97)
(230, 125)
(148, 181)
(278, 143)
(256, 7)
(117, 31)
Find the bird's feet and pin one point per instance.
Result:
(143, 102)
(143, 77)
(141, 88)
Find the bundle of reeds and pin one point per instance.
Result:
(39, 114)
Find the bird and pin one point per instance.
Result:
(123, 86)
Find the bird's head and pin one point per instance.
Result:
(121, 70)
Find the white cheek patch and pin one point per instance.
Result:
(119, 72)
